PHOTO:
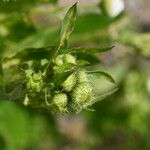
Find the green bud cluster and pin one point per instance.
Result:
(72, 95)
(34, 86)
(34, 81)
(77, 86)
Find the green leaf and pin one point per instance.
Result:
(35, 53)
(93, 50)
(67, 28)
(60, 78)
(64, 67)
(87, 57)
(103, 96)
(82, 62)
(101, 73)
(63, 72)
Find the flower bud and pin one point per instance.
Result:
(82, 76)
(69, 59)
(62, 59)
(82, 93)
(69, 84)
(60, 100)
(58, 61)
(26, 101)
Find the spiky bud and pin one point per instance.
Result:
(60, 100)
(82, 93)
(63, 59)
(58, 61)
(69, 59)
(82, 77)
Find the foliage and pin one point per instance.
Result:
(50, 85)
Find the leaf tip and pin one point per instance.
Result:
(76, 3)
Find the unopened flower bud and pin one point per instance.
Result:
(58, 61)
(82, 93)
(60, 100)
(82, 77)
(69, 59)
(62, 59)
(26, 101)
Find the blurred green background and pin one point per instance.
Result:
(119, 122)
